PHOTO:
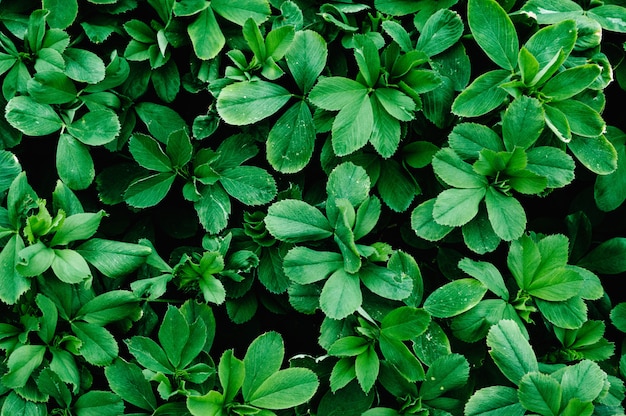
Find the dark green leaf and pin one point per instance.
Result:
(610, 190)
(128, 382)
(494, 32)
(469, 139)
(441, 31)
(482, 95)
(336, 93)
(551, 45)
(109, 307)
(291, 141)
(352, 127)
(486, 273)
(285, 389)
(160, 120)
(522, 123)
(455, 171)
(367, 367)
(610, 16)
(582, 119)
(99, 403)
(238, 11)
(607, 258)
(568, 314)
(396, 186)
(213, 208)
(405, 323)
(98, 345)
(148, 154)
(478, 234)
(22, 362)
(174, 334)
(570, 82)
(454, 298)
(386, 283)
(263, 358)
(51, 87)
(553, 164)
(149, 191)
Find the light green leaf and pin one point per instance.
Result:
(494, 32)
(98, 345)
(34, 259)
(552, 11)
(494, 401)
(77, 227)
(570, 82)
(582, 119)
(149, 191)
(83, 66)
(341, 295)
(69, 266)
(213, 208)
(399, 34)
(248, 102)
(367, 217)
(367, 367)
(304, 266)
(285, 389)
(511, 351)
(455, 207)
(296, 221)
(469, 139)
(210, 404)
(22, 362)
(114, 258)
(263, 358)
(148, 154)
(31, 117)
(96, 128)
(231, 372)
(348, 181)
(206, 36)
(424, 224)
(611, 16)
(482, 95)
(291, 140)
(486, 273)
(336, 93)
(74, 163)
(454, 171)
(442, 30)
(405, 323)
(595, 153)
(522, 123)
(551, 45)
(553, 164)
(455, 298)
(385, 282)
(251, 185)
(397, 354)
(540, 393)
(506, 215)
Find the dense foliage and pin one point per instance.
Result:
(291, 207)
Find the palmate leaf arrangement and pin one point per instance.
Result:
(369, 171)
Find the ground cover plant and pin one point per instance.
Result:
(298, 207)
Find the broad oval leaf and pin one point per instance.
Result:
(607, 258)
(336, 93)
(348, 181)
(522, 123)
(455, 207)
(98, 403)
(248, 102)
(296, 221)
(74, 163)
(482, 95)
(442, 30)
(596, 153)
(469, 139)
(455, 298)
(206, 36)
(553, 164)
(83, 66)
(396, 186)
(149, 191)
(385, 282)
(486, 273)
(263, 358)
(306, 58)
(506, 215)
(405, 323)
(31, 117)
(79, 226)
(446, 373)
(51, 87)
(128, 382)
(424, 224)
(109, 307)
(98, 344)
(114, 258)
(352, 127)
(570, 82)
(304, 265)
(583, 120)
(291, 140)
(251, 185)
(341, 295)
(160, 120)
(455, 171)
(540, 393)
(96, 128)
(69, 266)
(21, 363)
(285, 389)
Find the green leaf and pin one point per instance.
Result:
(553, 164)
(570, 82)
(96, 128)
(506, 215)
(511, 351)
(611, 16)
(296, 221)
(249, 184)
(285, 389)
(208, 404)
(149, 191)
(467, 140)
(238, 11)
(454, 298)
(552, 11)
(522, 123)
(34, 259)
(148, 154)
(478, 234)
(263, 358)
(396, 186)
(618, 316)
(160, 120)
(69, 266)
(349, 346)
(109, 307)
(610, 190)
(494, 32)
(367, 217)
(551, 45)
(114, 258)
(149, 354)
(77, 227)
(482, 95)
(540, 393)
(348, 181)
(174, 334)
(568, 314)
(442, 30)
(405, 323)
(83, 66)
(31, 117)
(213, 208)
(336, 93)
(367, 367)
(595, 153)
(494, 401)
(398, 355)
(486, 273)
(51, 87)
(305, 266)
(248, 102)
(385, 135)
(385, 282)
(291, 140)
(98, 345)
(74, 163)
(352, 127)
(341, 295)
(582, 119)
(446, 373)
(558, 123)
(454, 171)
(62, 13)
(555, 285)
(419, 154)
(206, 36)
(306, 58)
(424, 224)
(127, 381)
(455, 207)
(98, 403)
(22, 362)
(607, 258)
